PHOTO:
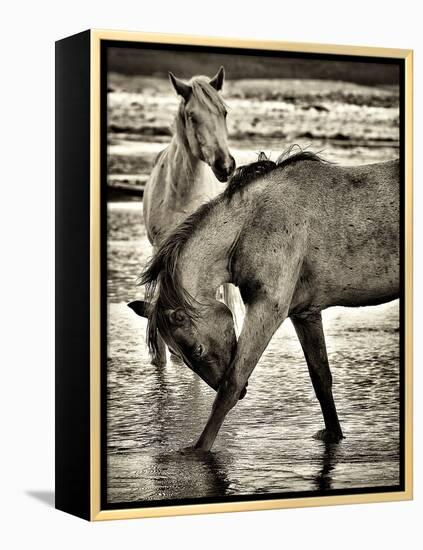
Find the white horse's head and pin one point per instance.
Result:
(202, 121)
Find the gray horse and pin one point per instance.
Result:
(296, 236)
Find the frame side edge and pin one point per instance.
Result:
(95, 278)
(72, 398)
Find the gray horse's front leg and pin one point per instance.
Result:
(261, 322)
(227, 397)
(309, 330)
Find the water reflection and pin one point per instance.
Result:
(194, 474)
(323, 480)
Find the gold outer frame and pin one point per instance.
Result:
(95, 271)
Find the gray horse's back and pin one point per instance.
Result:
(343, 224)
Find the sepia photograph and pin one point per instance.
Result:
(253, 253)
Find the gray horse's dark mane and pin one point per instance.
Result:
(245, 175)
(164, 290)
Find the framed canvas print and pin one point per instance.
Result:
(233, 275)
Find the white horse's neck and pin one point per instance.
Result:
(186, 168)
(188, 177)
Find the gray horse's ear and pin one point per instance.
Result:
(217, 81)
(140, 307)
(182, 89)
(177, 317)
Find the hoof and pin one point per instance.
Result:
(158, 362)
(328, 437)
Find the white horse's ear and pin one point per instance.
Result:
(217, 81)
(140, 307)
(177, 317)
(182, 89)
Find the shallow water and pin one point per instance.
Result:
(266, 444)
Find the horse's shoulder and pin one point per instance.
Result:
(275, 219)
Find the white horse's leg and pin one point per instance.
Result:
(309, 330)
(261, 321)
(232, 298)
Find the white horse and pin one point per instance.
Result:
(186, 173)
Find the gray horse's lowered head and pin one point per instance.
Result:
(205, 342)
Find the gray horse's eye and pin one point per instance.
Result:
(198, 350)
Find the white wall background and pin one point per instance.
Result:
(27, 36)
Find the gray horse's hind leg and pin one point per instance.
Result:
(309, 330)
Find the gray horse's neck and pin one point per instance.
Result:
(206, 258)
(204, 265)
